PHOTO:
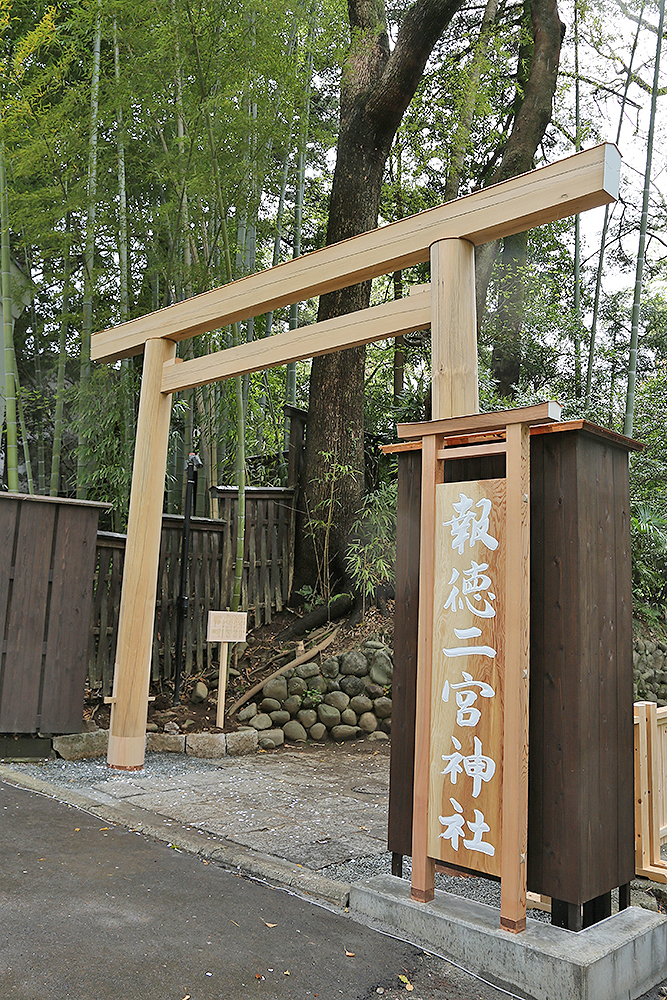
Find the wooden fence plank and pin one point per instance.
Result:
(517, 646)
(661, 719)
(253, 589)
(199, 614)
(101, 615)
(114, 595)
(265, 562)
(64, 668)
(26, 618)
(8, 516)
(207, 571)
(642, 790)
(274, 585)
(423, 866)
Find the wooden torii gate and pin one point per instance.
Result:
(446, 234)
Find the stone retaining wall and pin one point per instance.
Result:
(347, 696)
(650, 671)
(84, 746)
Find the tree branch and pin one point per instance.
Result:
(422, 26)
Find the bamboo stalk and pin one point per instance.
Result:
(8, 327)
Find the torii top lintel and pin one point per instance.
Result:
(575, 184)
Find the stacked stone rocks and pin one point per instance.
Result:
(650, 671)
(343, 698)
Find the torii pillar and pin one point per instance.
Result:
(446, 234)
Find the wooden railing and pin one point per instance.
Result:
(650, 790)
(265, 587)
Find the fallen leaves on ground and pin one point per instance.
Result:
(406, 981)
(350, 954)
(267, 923)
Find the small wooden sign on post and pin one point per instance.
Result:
(225, 627)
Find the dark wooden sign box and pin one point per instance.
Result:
(580, 803)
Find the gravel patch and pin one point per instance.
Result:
(480, 889)
(88, 773)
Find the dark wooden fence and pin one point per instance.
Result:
(268, 566)
(47, 557)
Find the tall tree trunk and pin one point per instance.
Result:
(398, 359)
(376, 88)
(238, 384)
(506, 357)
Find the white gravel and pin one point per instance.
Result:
(86, 773)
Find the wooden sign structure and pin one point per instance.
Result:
(468, 673)
(225, 627)
(471, 749)
(446, 235)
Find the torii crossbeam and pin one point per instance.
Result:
(446, 234)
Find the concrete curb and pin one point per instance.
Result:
(224, 852)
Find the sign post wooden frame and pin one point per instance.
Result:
(514, 426)
(447, 235)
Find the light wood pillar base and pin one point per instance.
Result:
(124, 751)
(127, 731)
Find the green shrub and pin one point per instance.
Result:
(371, 555)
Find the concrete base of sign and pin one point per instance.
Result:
(617, 959)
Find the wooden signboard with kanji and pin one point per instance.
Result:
(466, 771)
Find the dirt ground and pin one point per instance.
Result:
(252, 663)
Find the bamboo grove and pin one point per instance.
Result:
(150, 152)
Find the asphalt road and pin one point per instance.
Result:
(96, 912)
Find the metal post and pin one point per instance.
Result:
(182, 606)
